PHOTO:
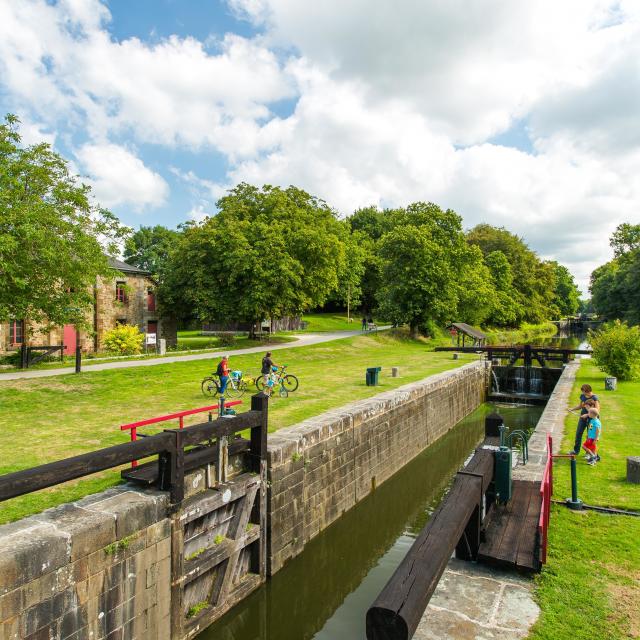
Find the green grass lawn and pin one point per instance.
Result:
(319, 322)
(590, 587)
(52, 418)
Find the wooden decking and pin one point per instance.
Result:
(511, 535)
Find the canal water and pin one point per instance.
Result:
(324, 593)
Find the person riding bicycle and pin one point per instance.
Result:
(267, 368)
(222, 372)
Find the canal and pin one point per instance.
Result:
(324, 593)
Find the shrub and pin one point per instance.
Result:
(616, 350)
(226, 339)
(125, 340)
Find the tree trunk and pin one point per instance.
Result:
(413, 330)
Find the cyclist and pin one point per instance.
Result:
(222, 372)
(267, 368)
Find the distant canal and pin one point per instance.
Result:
(324, 593)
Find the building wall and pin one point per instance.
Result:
(323, 466)
(103, 317)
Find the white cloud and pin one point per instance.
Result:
(60, 62)
(118, 177)
(395, 102)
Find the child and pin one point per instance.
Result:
(594, 429)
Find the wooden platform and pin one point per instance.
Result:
(512, 533)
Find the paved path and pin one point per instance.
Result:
(474, 602)
(303, 340)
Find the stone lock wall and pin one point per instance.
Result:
(323, 466)
(94, 569)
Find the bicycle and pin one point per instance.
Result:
(287, 381)
(236, 386)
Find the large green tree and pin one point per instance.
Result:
(269, 252)
(533, 280)
(615, 292)
(53, 239)
(566, 295)
(149, 247)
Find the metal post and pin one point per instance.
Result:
(574, 502)
(502, 429)
(78, 351)
(221, 407)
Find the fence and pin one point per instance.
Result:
(546, 491)
(180, 416)
(169, 446)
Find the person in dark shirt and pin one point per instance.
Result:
(587, 399)
(267, 367)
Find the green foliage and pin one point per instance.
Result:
(195, 554)
(218, 539)
(197, 608)
(149, 247)
(226, 339)
(418, 278)
(268, 253)
(616, 350)
(614, 286)
(533, 281)
(52, 238)
(117, 546)
(124, 340)
(566, 295)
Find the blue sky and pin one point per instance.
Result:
(528, 120)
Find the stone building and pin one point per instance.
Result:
(129, 298)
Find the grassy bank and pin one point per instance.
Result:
(52, 418)
(590, 587)
(525, 333)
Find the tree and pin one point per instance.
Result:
(477, 296)
(53, 240)
(349, 290)
(506, 310)
(616, 350)
(533, 280)
(419, 284)
(268, 253)
(149, 247)
(566, 295)
(625, 238)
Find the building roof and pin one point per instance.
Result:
(469, 330)
(126, 268)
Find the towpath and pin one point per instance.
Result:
(302, 340)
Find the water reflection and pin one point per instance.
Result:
(324, 593)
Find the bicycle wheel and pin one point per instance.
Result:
(209, 387)
(290, 382)
(260, 383)
(283, 391)
(233, 389)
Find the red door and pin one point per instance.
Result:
(69, 339)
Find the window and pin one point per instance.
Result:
(151, 300)
(121, 292)
(120, 322)
(16, 331)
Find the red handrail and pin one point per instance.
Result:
(180, 415)
(546, 491)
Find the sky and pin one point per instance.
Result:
(520, 114)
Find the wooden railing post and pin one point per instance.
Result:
(172, 467)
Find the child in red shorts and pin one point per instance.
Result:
(594, 430)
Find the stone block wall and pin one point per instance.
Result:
(97, 568)
(323, 466)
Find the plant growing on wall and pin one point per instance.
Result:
(124, 340)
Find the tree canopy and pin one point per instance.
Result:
(53, 239)
(269, 252)
(148, 248)
(615, 293)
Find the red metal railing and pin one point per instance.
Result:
(546, 491)
(180, 416)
